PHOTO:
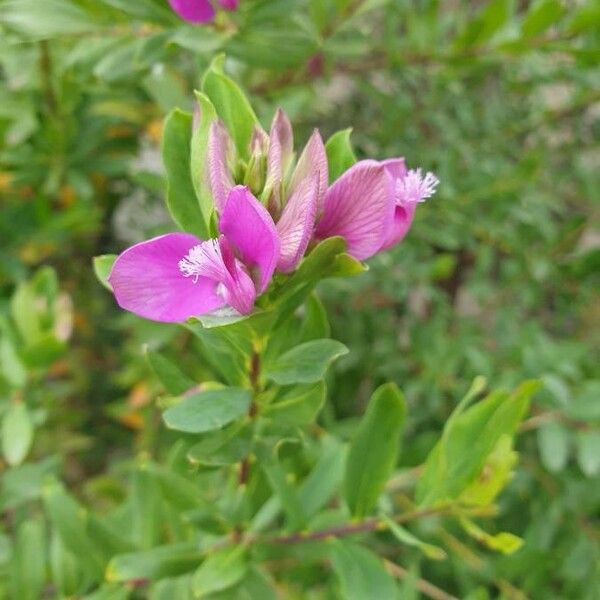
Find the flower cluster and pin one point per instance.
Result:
(200, 11)
(269, 210)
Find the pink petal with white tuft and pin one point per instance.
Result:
(250, 229)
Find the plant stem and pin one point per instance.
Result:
(367, 525)
(254, 377)
(424, 586)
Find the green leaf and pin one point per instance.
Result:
(178, 490)
(345, 265)
(223, 447)
(255, 585)
(181, 196)
(588, 452)
(554, 442)
(102, 267)
(146, 509)
(208, 410)
(44, 20)
(231, 105)
(227, 349)
(11, 366)
(285, 492)
(220, 571)
(24, 483)
(261, 47)
(585, 18)
(107, 538)
(313, 493)
(28, 564)
(340, 155)
(198, 154)
(156, 563)
(168, 373)
(406, 537)
(32, 307)
(325, 478)
(299, 406)
(493, 16)
(468, 439)
(70, 521)
(374, 449)
(494, 476)
(64, 566)
(504, 542)
(540, 16)
(316, 324)
(110, 592)
(17, 433)
(306, 363)
(148, 10)
(320, 263)
(361, 573)
(172, 588)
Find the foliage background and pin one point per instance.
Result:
(498, 277)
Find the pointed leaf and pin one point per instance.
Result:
(181, 196)
(220, 571)
(374, 449)
(361, 573)
(155, 563)
(468, 439)
(231, 105)
(102, 267)
(406, 537)
(17, 433)
(208, 410)
(306, 363)
(340, 155)
(168, 373)
(299, 406)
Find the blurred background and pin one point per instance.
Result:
(499, 275)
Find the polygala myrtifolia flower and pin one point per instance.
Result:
(200, 11)
(268, 211)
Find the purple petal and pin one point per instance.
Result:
(229, 4)
(396, 167)
(214, 260)
(219, 176)
(403, 218)
(240, 291)
(147, 281)
(281, 147)
(297, 223)
(194, 11)
(312, 163)
(250, 229)
(359, 206)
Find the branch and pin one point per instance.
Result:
(352, 528)
(424, 586)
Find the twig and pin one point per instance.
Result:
(254, 377)
(353, 528)
(425, 587)
(553, 417)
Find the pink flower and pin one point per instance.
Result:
(176, 276)
(292, 198)
(200, 11)
(372, 205)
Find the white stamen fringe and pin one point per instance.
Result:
(201, 260)
(413, 187)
